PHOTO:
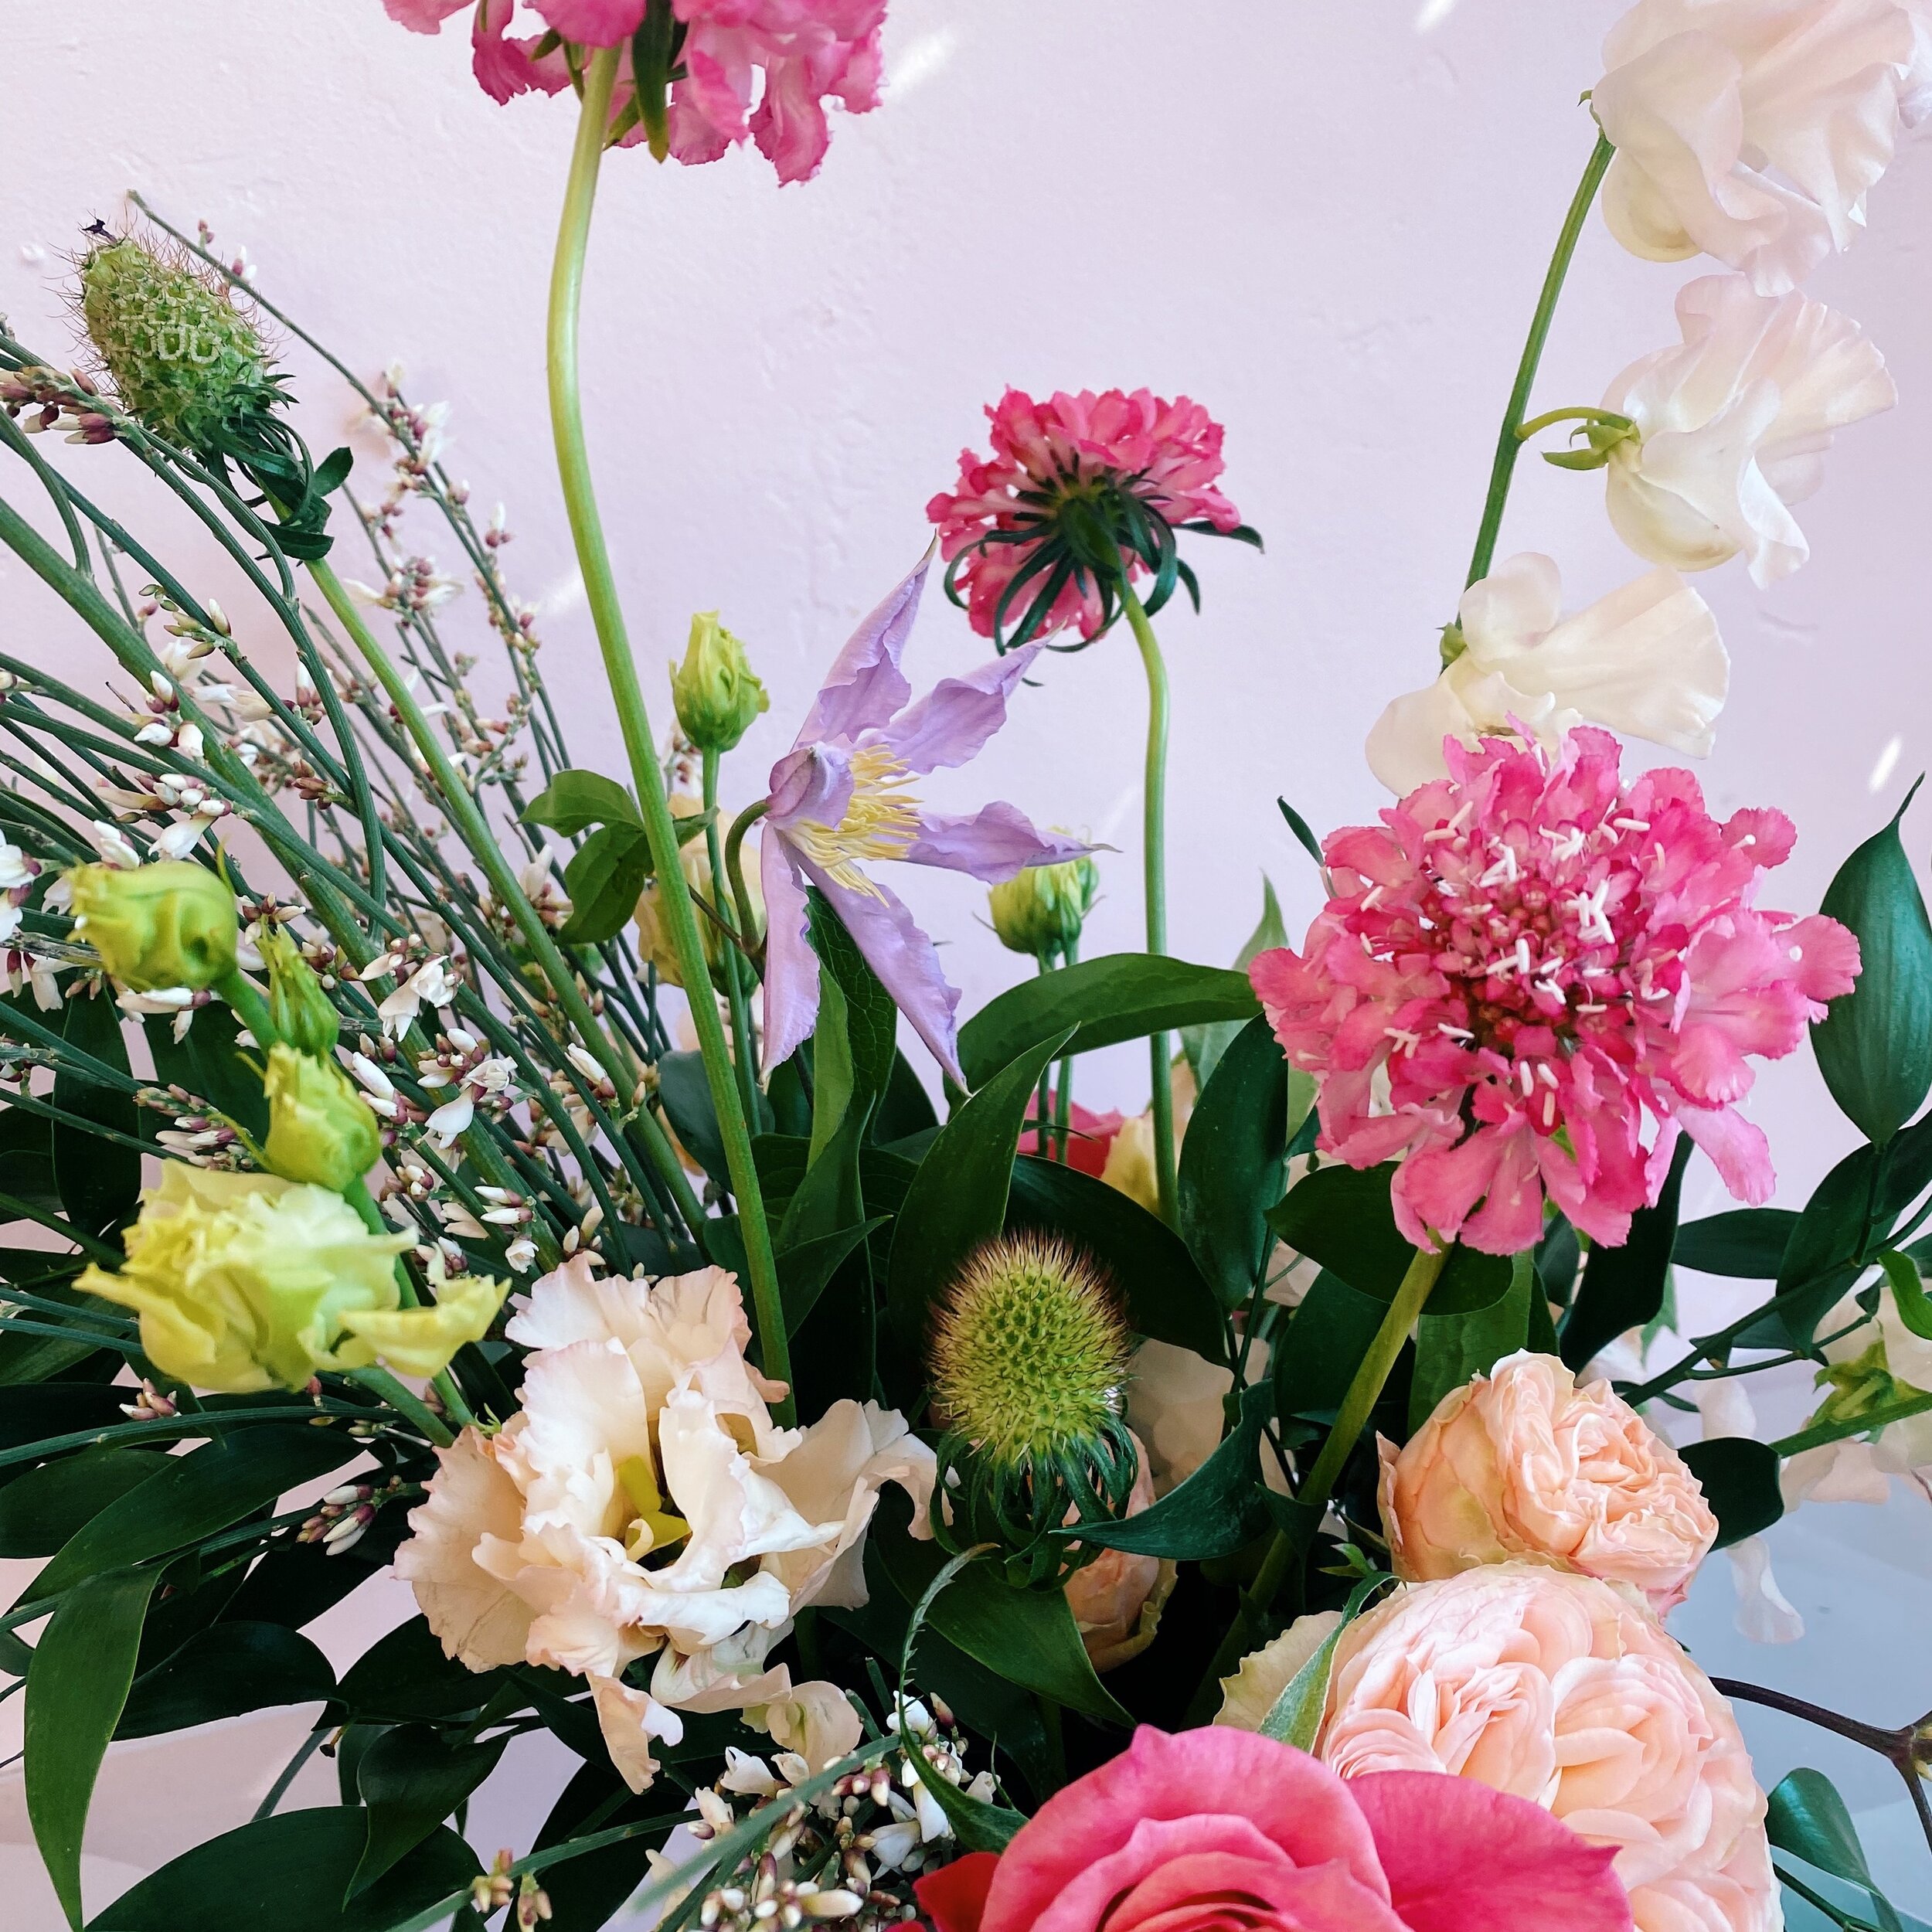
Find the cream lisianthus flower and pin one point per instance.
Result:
(1879, 1360)
(1733, 425)
(1645, 660)
(643, 1503)
(1752, 130)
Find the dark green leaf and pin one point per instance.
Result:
(76, 1687)
(1748, 1243)
(1317, 1359)
(1218, 1510)
(411, 1779)
(1231, 1162)
(40, 1510)
(1807, 1819)
(99, 1180)
(208, 1062)
(603, 879)
(1623, 1287)
(1303, 832)
(1165, 1296)
(1874, 1045)
(287, 1873)
(684, 1091)
(1205, 1044)
(196, 1495)
(978, 1825)
(26, 1159)
(906, 1107)
(1739, 1478)
(804, 1270)
(573, 801)
(223, 1672)
(1558, 1255)
(406, 1674)
(1908, 1292)
(1341, 1218)
(39, 1411)
(1121, 996)
(1453, 1345)
(857, 1041)
(957, 1199)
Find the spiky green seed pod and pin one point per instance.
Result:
(184, 360)
(1029, 1356)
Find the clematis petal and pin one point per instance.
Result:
(952, 723)
(866, 688)
(993, 844)
(792, 966)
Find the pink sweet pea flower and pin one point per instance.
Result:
(1079, 490)
(1538, 958)
(838, 801)
(1208, 1829)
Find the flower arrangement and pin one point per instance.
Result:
(426, 1151)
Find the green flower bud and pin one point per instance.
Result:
(320, 1129)
(171, 924)
(297, 1004)
(184, 360)
(714, 690)
(1039, 912)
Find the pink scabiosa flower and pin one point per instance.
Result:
(1080, 493)
(1537, 957)
(698, 77)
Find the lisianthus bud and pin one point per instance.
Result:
(297, 1004)
(243, 1281)
(1039, 911)
(185, 361)
(716, 692)
(1029, 1358)
(320, 1129)
(654, 939)
(171, 924)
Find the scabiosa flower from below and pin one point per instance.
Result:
(1539, 957)
(1080, 493)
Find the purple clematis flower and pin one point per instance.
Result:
(839, 799)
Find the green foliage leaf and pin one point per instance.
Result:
(1908, 1292)
(406, 1676)
(1341, 1217)
(1739, 1478)
(1219, 1509)
(1205, 1044)
(1166, 1297)
(223, 1672)
(286, 1872)
(1295, 1716)
(26, 1159)
(856, 1040)
(1100, 1003)
(957, 1199)
(39, 1411)
(978, 1825)
(1747, 1243)
(1317, 1358)
(603, 879)
(805, 1270)
(1808, 1819)
(41, 1509)
(574, 801)
(684, 1091)
(1304, 832)
(99, 1180)
(1623, 1287)
(208, 1062)
(76, 1687)
(195, 1496)
(1874, 1045)
(411, 1779)
(1454, 1344)
(1231, 1162)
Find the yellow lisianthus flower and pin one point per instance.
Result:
(320, 1129)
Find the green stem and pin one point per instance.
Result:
(1063, 1092)
(587, 531)
(743, 1045)
(379, 1382)
(1508, 444)
(1153, 845)
(734, 867)
(245, 997)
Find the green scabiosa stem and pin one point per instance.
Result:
(587, 531)
(1508, 444)
(1161, 1046)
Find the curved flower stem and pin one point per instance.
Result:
(587, 531)
(1508, 444)
(734, 867)
(744, 1056)
(1063, 1096)
(1153, 843)
(379, 1382)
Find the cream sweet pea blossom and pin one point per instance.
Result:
(1646, 660)
(1733, 426)
(1752, 130)
(642, 1503)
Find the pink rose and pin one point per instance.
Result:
(1555, 1687)
(1213, 1829)
(1523, 1463)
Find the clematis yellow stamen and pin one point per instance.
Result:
(880, 822)
(654, 1527)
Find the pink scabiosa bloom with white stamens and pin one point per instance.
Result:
(1545, 963)
(1079, 491)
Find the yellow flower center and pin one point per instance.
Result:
(880, 822)
(654, 1527)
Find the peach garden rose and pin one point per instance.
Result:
(1522, 1463)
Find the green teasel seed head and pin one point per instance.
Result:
(184, 362)
(1029, 1352)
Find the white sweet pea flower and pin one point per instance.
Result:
(1764, 1613)
(643, 1503)
(431, 984)
(1733, 426)
(112, 846)
(1645, 660)
(1751, 129)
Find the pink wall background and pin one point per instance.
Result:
(1326, 221)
